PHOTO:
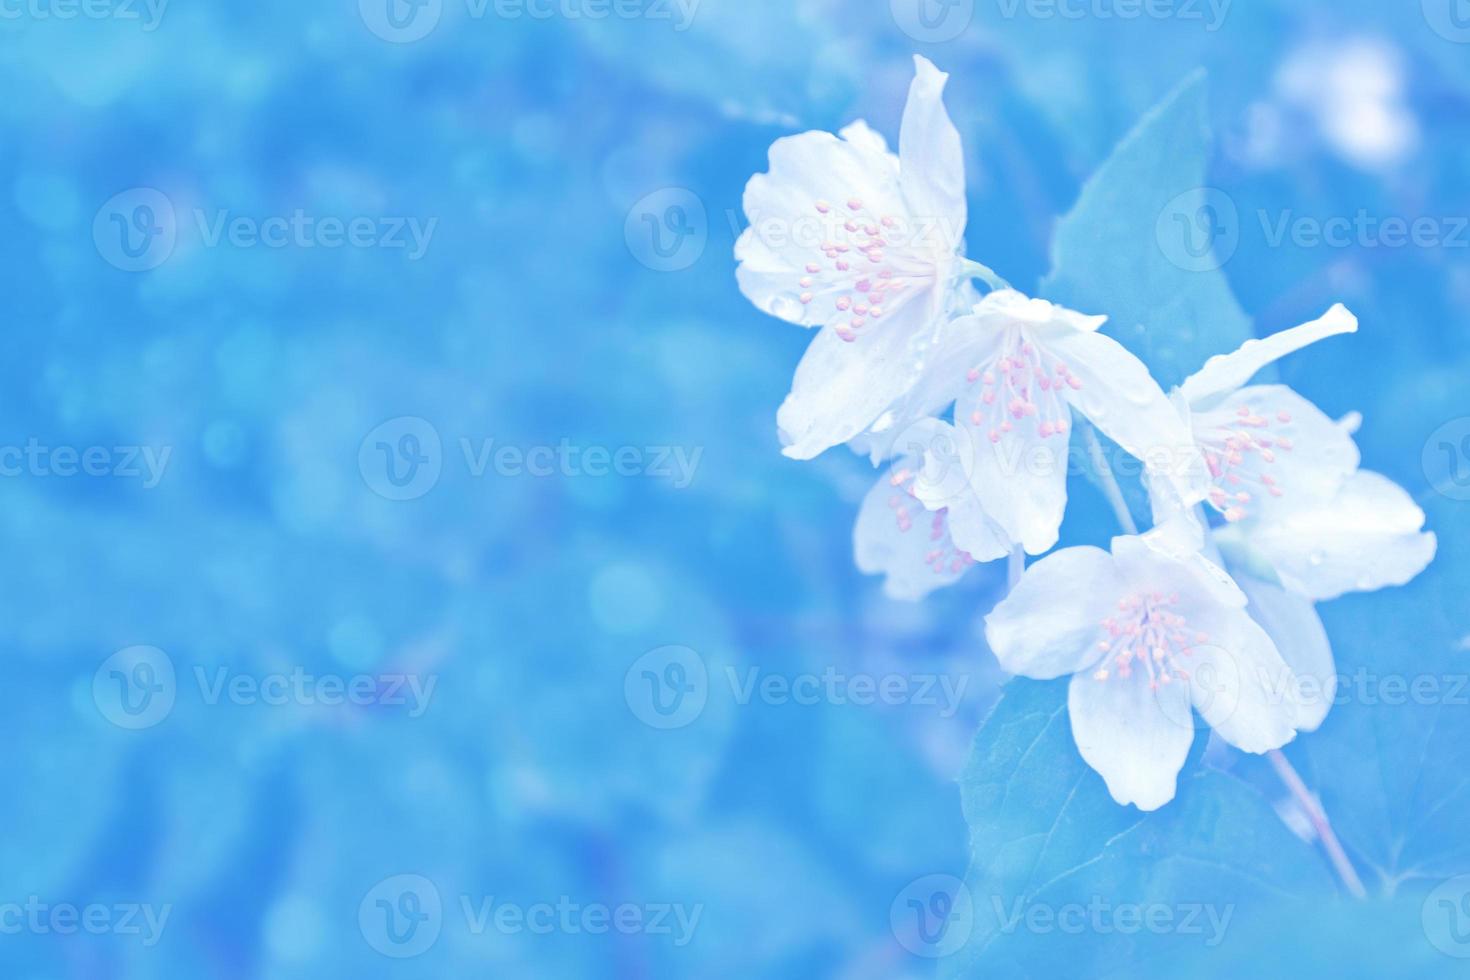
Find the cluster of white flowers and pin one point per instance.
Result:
(1200, 614)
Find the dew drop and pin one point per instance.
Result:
(785, 307)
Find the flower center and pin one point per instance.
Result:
(855, 273)
(942, 556)
(1239, 451)
(1022, 385)
(1147, 631)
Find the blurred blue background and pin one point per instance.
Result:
(319, 397)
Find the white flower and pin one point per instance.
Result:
(1147, 632)
(1020, 367)
(1286, 479)
(847, 237)
(1294, 626)
(897, 537)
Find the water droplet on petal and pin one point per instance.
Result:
(785, 307)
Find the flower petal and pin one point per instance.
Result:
(896, 537)
(1176, 533)
(841, 388)
(1165, 560)
(1301, 639)
(1007, 307)
(1049, 624)
(1238, 681)
(959, 345)
(861, 134)
(787, 229)
(1131, 736)
(931, 155)
(1019, 481)
(1115, 392)
(1369, 536)
(1224, 373)
(1269, 449)
(935, 463)
(946, 458)
(975, 532)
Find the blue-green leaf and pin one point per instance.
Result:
(1392, 761)
(1147, 241)
(1057, 866)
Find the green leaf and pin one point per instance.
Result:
(1123, 249)
(1392, 761)
(1046, 837)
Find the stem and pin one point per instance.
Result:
(1305, 798)
(1015, 566)
(975, 270)
(1110, 487)
(1318, 816)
